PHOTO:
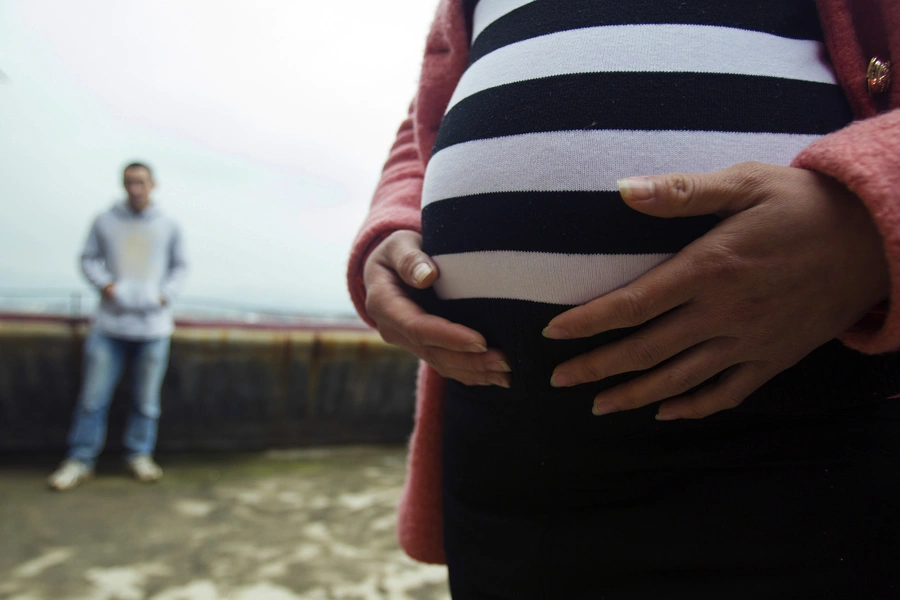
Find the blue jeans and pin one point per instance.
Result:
(104, 361)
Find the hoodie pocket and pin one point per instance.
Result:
(139, 296)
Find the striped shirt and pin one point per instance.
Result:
(563, 97)
(521, 213)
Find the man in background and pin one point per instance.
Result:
(135, 258)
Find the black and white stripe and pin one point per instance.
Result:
(489, 12)
(592, 160)
(623, 48)
(667, 101)
(795, 19)
(584, 223)
(562, 98)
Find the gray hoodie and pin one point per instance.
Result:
(142, 254)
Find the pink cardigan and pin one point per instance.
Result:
(865, 156)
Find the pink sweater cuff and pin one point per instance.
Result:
(865, 156)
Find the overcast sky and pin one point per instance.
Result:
(267, 123)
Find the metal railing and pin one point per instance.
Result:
(52, 301)
(75, 304)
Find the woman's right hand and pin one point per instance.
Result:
(454, 351)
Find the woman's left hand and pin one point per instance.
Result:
(796, 261)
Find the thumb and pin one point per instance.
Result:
(724, 192)
(412, 265)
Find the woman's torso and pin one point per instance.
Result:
(520, 210)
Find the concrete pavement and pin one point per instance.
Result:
(311, 524)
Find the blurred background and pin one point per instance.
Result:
(284, 417)
(266, 123)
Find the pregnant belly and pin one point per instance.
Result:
(509, 262)
(521, 213)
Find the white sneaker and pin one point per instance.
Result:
(70, 474)
(145, 469)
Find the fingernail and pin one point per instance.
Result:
(601, 408)
(666, 416)
(476, 348)
(421, 272)
(500, 365)
(636, 189)
(501, 382)
(554, 333)
(560, 380)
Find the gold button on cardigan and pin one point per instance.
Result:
(878, 75)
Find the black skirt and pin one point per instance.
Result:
(794, 494)
(734, 506)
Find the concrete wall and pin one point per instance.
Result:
(227, 387)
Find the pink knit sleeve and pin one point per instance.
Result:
(865, 156)
(395, 206)
(420, 520)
